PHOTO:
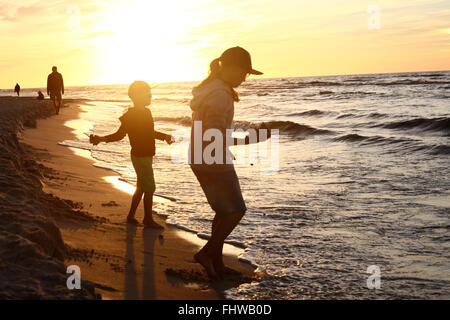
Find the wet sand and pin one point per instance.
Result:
(117, 261)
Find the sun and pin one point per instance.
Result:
(145, 42)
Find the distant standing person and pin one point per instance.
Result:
(17, 89)
(55, 87)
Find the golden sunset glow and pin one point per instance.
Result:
(118, 41)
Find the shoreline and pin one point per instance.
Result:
(121, 261)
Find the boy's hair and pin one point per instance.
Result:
(138, 89)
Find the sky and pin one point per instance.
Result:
(119, 41)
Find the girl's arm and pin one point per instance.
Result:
(246, 140)
(220, 105)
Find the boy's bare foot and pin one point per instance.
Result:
(152, 224)
(207, 264)
(132, 220)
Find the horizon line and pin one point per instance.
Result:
(261, 78)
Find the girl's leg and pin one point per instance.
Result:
(217, 254)
(204, 259)
(217, 260)
(211, 253)
(223, 229)
(148, 206)
(137, 196)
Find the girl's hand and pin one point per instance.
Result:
(169, 139)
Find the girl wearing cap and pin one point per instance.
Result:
(213, 107)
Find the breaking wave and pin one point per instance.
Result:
(424, 124)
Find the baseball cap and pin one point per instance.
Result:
(239, 57)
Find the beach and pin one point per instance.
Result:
(59, 210)
(305, 143)
(362, 181)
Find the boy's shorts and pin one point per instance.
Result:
(144, 173)
(222, 190)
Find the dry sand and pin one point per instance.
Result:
(120, 261)
(32, 251)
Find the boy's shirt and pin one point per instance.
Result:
(138, 124)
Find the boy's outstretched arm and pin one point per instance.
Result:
(116, 136)
(163, 137)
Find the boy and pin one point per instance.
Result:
(138, 123)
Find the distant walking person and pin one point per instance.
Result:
(17, 89)
(55, 86)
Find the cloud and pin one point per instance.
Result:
(89, 35)
(10, 11)
(188, 42)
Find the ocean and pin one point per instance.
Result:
(362, 180)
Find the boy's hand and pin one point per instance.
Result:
(95, 140)
(169, 139)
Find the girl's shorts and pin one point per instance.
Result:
(222, 190)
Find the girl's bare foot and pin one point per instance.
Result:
(207, 264)
(223, 270)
